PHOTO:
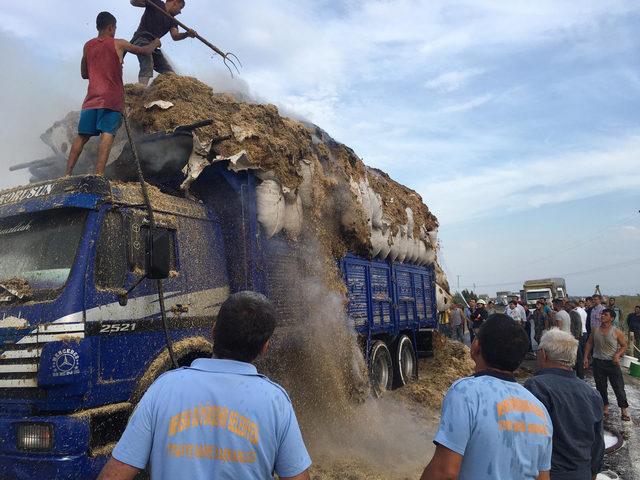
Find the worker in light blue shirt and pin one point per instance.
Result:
(491, 427)
(218, 418)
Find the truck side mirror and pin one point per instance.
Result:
(158, 257)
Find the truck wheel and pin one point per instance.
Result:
(406, 367)
(380, 369)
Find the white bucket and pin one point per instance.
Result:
(626, 361)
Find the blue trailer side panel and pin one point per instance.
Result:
(387, 298)
(381, 296)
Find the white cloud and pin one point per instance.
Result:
(451, 81)
(524, 185)
(466, 105)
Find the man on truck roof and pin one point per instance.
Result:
(156, 25)
(103, 106)
(218, 418)
(491, 426)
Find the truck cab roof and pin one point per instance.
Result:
(89, 191)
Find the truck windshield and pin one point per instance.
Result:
(37, 251)
(532, 296)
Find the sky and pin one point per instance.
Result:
(516, 121)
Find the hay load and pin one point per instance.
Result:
(301, 168)
(306, 176)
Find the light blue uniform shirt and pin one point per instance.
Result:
(217, 419)
(500, 428)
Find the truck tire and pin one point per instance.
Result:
(406, 366)
(380, 368)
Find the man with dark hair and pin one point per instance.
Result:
(540, 321)
(574, 406)
(596, 311)
(468, 313)
(633, 322)
(560, 317)
(588, 308)
(579, 331)
(156, 25)
(102, 108)
(515, 313)
(611, 303)
(218, 418)
(608, 345)
(457, 323)
(484, 413)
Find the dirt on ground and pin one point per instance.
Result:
(403, 422)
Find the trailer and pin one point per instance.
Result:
(81, 332)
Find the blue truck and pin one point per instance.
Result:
(81, 335)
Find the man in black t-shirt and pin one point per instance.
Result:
(154, 24)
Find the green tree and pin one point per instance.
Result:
(469, 294)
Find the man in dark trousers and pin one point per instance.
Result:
(608, 345)
(218, 418)
(102, 108)
(574, 406)
(478, 316)
(155, 24)
(633, 322)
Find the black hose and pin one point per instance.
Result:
(152, 226)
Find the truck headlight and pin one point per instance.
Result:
(35, 437)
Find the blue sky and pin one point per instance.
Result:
(517, 121)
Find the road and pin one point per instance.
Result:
(625, 462)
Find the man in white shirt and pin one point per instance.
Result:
(516, 313)
(582, 340)
(562, 318)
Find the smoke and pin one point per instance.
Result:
(317, 357)
(35, 91)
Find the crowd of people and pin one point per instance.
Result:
(568, 337)
(572, 316)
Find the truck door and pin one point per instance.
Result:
(128, 332)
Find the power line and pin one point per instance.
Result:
(602, 232)
(612, 266)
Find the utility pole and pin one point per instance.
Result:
(458, 282)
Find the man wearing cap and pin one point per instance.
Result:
(218, 418)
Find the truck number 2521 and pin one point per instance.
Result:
(118, 327)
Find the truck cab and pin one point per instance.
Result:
(547, 289)
(72, 338)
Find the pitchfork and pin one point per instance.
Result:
(226, 57)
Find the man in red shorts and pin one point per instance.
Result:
(103, 106)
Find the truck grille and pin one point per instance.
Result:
(20, 355)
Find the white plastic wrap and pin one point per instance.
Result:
(271, 207)
(293, 216)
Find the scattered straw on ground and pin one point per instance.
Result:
(451, 361)
(354, 469)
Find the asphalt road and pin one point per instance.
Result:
(625, 462)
